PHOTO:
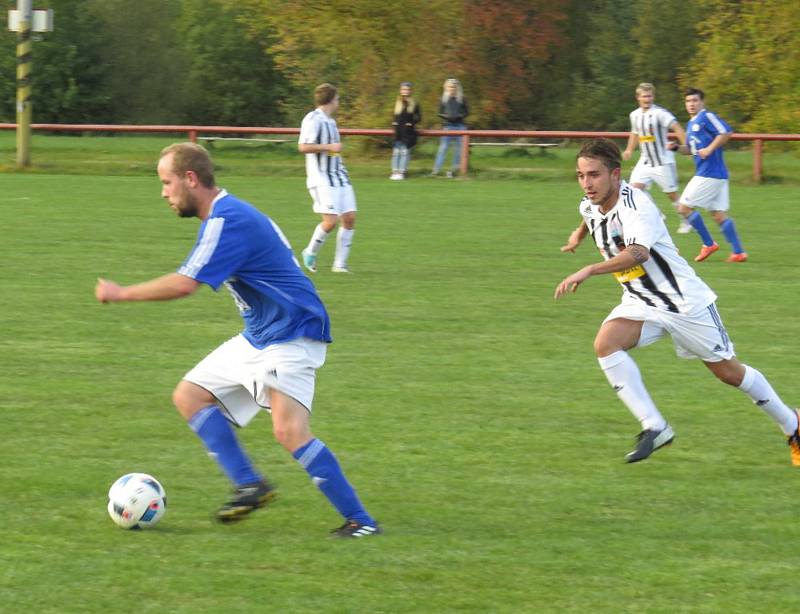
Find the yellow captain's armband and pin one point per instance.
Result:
(629, 274)
(647, 139)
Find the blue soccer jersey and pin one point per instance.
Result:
(243, 249)
(700, 131)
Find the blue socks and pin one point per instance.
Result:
(729, 230)
(217, 434)
(325, 472)
(696, 220)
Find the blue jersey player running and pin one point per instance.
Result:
(706, 134)
(272, 364)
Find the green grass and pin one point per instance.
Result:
(464, 403)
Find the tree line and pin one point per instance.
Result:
(524, 64)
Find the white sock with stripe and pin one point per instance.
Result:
(756, 386)
(344, 239)
(624, 376)
(317, 240)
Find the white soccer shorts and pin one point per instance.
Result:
(333, 200)
(665, 176)
(700, 334)
(707, 193)
(241, 376)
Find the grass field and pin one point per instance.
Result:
(464, 403)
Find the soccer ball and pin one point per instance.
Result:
(136, 501)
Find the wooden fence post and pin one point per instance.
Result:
(464, 166)
(758, 160)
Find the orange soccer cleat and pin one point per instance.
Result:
(794, 443)
(740, 257)
(706, 251)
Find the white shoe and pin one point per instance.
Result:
(340, 269)
(685, 228)
(449, 174)
(395, 176)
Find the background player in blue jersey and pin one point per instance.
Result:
(706, 134)
(272, 363)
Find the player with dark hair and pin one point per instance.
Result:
(270, 365)
(662, 295)
(706, 135)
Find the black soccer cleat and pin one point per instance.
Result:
(246, 499)
(353, 529)
(648, 441)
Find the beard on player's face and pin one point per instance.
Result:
(187, 205)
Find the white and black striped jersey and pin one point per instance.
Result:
(652, 127)
(665, 281)
(322, 168)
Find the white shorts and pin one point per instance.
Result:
(666, 176)
(333, 200)
(241, 376)
(697, 335)
(706, 193)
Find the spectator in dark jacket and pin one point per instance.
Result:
(453, 110)
(407, 115)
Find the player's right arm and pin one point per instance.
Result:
(307, 144)
(575, 238)
(307, 148)
(164, 288)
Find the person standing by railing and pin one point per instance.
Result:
(453, 110)
(407, 115)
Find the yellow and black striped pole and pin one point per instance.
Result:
(24, 111)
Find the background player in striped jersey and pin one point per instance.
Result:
(662, 295)
(272, 363)
(650, 125)
(327, 180)
(706, 134)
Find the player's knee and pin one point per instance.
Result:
(684, 210)
(290, 435)
(180, 399)
(603, 347)
(729, 372)
(187, 401)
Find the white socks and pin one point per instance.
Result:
(623, 375)
(758, 388)
(317, 240)
(344, 239)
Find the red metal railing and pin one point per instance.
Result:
(192, 133)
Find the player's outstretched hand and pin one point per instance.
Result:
(106, 291)
(571, 283)
(572, 243)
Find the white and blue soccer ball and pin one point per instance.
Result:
(136, 501)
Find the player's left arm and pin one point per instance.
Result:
(676, 127)
(719, 141)
(164, 288)
(633, 255)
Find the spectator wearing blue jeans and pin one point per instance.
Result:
(407, 115)
(453, 110)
